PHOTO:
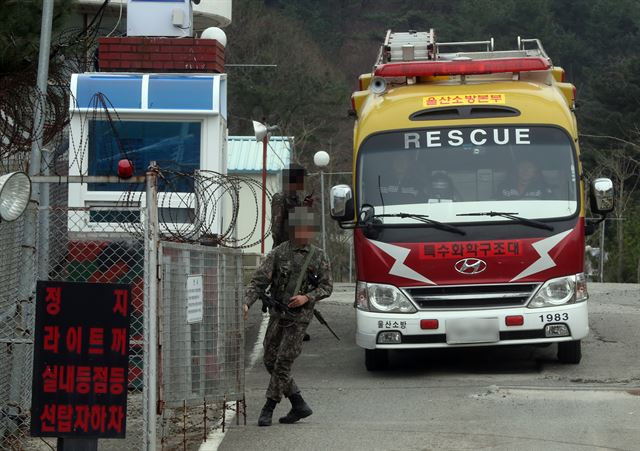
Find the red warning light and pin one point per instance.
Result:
(125, 168)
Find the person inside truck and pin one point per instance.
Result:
(400, 184)
(526, 182)
(440, 188)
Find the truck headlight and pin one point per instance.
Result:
(377, 297)
(561, 291)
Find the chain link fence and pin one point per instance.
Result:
(16, 339)
(202, 364)
(201, 338)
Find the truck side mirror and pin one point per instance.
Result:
(341, 200)
(601, 196)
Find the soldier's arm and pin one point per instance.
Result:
(260, 280)
(325, 281)
(277, 217)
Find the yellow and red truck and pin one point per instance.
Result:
(468, 203)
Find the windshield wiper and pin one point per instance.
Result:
(426, 220)
(520, 219)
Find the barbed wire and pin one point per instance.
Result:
(197, 215)
(74, 50)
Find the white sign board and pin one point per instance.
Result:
(195, 305)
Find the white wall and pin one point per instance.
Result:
(248, 210)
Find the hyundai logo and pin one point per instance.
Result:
(470, 266)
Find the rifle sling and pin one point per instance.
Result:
(303, 270)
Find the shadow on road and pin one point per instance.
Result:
(475, 360)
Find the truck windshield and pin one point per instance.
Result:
(443, 172)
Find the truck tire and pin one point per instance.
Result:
(570, 352)
(376, 359)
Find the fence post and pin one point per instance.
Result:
(602, 251)
(151, 269)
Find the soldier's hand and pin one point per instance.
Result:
(245, 312)
(298, 301)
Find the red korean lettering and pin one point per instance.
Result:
(52, 300)
(65, 418)
(96, 340)
(456, 100)
(483, 98)
(443, 250)
(82, 418)
(513, 248)
(498, 248)
(51, 341)
(429, 250)
(83, 379)
(100, 379)
(98, 418)
(496, 98)
(484, 248)
(444, 100)
(66, 382)
(74, 339)
(470, 98)
(431, 101)
(457, 249)
(119, 340)
(116, 415)
(50, 379)
(116, 380)
(471, 249)
(48, 418)
(122, 302)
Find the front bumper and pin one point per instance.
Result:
(370, 324)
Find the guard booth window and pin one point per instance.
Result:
(174, 145)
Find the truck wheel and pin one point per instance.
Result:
(570, 351)
(376, 359)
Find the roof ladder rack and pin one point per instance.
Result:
(407, 46)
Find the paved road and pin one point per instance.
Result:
(479, 398)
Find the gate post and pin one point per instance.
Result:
(151, 309)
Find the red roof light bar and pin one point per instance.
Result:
(469, 67)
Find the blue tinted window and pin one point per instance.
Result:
(119, 92)
(174, 92)
(175, 146)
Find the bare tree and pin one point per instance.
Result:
(623, 170)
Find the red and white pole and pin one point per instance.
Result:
(265, 141)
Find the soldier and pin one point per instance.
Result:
(298, 275)
(292, 196)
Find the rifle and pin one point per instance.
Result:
(322, 321)
(269, 301)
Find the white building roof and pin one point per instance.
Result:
(245, 154)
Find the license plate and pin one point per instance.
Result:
(472, 330)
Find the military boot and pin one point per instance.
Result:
(267, 413)
(299, 410)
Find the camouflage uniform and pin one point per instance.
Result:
(281, 203)
(283, 341)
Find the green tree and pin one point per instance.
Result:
(20, 24)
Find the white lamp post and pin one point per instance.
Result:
(262, 133)
(321, 159)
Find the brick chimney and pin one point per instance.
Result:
(166, 55)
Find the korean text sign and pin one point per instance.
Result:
(81, 360)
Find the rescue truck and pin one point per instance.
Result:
(468, 203)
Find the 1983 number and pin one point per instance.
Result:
(549, 317)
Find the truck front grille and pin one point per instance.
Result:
(472, 296)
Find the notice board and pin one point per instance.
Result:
(81, 360)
